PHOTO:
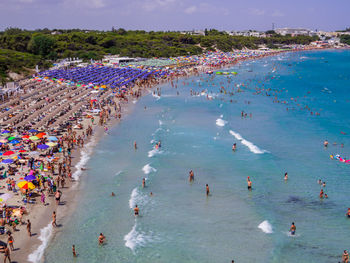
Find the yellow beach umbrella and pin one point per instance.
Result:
(33, 138)
(26, 185)
(51, 144)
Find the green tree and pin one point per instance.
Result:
(41, 45)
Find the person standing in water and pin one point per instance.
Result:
(207, 189)
(249, 183)
(101, 239)
(54, 219)
(143, 183)
(135, 145)
(191, 177)
(234, 147)
(285, 176)
(345, 257)
(348, 213)
(292, 229)
(73, 251)
(325, 143)
(136, 210)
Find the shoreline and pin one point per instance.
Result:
(41, 223)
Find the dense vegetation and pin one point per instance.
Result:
(345, 39)
(22, 49)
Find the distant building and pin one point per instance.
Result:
(293, 31)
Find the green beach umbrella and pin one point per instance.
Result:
(33, 138)
(11, 138)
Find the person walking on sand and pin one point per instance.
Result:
(43, 197)
(10, 241)
(54, 224)
(7, 254)
(29, 228)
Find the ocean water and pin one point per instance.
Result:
(179, 223)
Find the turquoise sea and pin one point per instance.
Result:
(179, 223)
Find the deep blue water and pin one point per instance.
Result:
(179, 223)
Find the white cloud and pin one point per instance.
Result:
(190, 10)
(85, 3)
(150, 5)
(257, 12)
(277, 13)
(205, 8)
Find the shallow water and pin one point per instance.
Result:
(179, 223)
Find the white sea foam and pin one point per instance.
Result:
(252, 147)
(156, 96)
(84, 158)
(45, 234)
(220, 122)
(134, 101)
(152, 141)
(266, 227)
(160, 122)
(135, 198)
(153, 152)
(135, 239)
(147, 169)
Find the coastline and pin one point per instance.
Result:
(41, 217)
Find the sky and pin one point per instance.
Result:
(175, 14)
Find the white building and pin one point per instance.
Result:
(293, 31)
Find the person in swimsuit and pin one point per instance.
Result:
(73, 251)
(249, 183)
(143, 183)
(325, 143)
(29, 228)
(135, 145)
(292, 229)
(191, 177)
(10, 241)
(136, 210)
(7, 254)
(345, 257)
(101, 239)
(112, 194)
(325, 196)
(321, 193)
(54, 219)
(58, 197)
(234, 147)
(207, 189)
(285, 176)
(348, 213)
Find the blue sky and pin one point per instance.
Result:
(175, 14)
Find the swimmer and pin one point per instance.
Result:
(324, 184)
(73, 251)
(321, 193)
(292, 229)
(348, 213)
(249, 183)
(285, 176)
(234, 147)
(207, 189)
(319, 181)
(112, 194)
(325, 196)
(191, 177)
(325, 143)
(151, 194)
(143, 183)
(135, 145)
(101, 239)
(136, 210)
(345, 257)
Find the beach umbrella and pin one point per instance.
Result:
(33, 138)
(34, 153)
(8, 153)
(43, 146)
(6, 135)
(25, 137)
(15, 141)
(33, 130)
(29, 178)
(6, 131)
(5, 197)
(3, 140)
(52, 138)
(7, 161)
(51, 144)
(26, 185)
(11, 138)
(22, 151)
(40, 135)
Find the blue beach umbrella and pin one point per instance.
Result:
(52, 138)
(43, 146)
(7, 161)
(33, 130)
(30, 178)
